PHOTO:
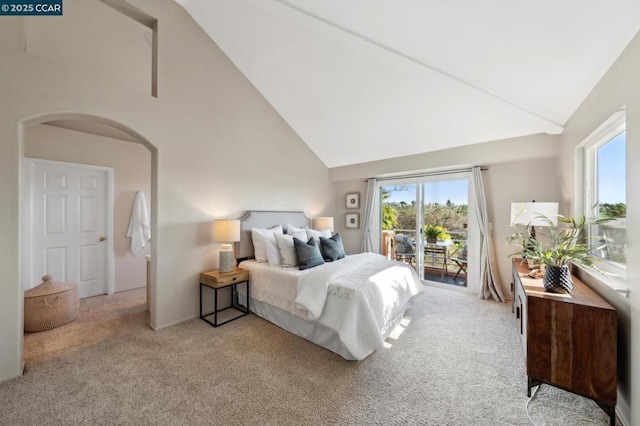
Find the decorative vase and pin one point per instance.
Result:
(557, 279)
(432, 240)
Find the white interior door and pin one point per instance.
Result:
(70, 220)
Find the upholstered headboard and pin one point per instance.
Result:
(265, 219)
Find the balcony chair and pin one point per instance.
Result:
(460, 259)
(405, 248)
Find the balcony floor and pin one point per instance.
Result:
(435, 275)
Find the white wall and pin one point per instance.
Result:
(351, 238)
(218, 148)
(493, 152)
(132, 172)
(619, 86)
(518, 181)
(514, 170)
(91, 45)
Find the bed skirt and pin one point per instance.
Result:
(310, 330)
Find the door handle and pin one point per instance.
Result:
(102, 238)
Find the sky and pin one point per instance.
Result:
(455, 190)
(612, 171)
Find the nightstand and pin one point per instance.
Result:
(218, 280)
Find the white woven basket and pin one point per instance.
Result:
(50, 305)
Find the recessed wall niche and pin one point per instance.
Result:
(83, 39)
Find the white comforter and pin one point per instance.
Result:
(359, 297)
(374, 292)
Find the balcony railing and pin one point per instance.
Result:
(433, 259)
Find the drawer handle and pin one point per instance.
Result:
(235, 278)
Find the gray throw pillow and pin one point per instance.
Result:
(308, 253)
(332, 248)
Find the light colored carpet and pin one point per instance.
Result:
(100, 318)
(458, 362)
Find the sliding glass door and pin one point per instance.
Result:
(427, 222)
(445, 222)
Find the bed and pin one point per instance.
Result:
(349, 306)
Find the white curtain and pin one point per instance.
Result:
(489, 278)
(369, 214)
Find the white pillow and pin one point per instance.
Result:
(292, 229)
(312, 233)
(287, 249)
(260, 237)
(273, 254)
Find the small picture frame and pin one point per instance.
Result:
(353, 200)
(352, 220)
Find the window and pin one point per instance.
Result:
(605, 155)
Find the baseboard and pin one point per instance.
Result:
(623, 421)
(171, 324)
(6, 379)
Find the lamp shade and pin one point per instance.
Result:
(529, 214)
(226, 230)
(324, 223)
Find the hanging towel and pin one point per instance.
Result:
(139, 226)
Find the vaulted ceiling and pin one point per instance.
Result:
(364, 80)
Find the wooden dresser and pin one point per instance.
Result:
(568, 340)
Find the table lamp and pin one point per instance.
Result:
(324, 223)
(226, 231)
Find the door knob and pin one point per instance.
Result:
(103, 238)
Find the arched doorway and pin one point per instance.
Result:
(98, 130)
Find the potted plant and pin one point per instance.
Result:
(435, 232)
(557, 247)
